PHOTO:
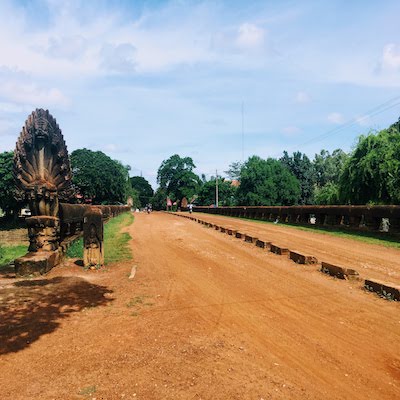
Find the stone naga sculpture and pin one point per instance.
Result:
(43, 176)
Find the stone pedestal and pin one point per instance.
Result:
(36, 263)
(44, 233)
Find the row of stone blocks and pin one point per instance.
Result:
(365, 218)
(293, 255)
(385, 290)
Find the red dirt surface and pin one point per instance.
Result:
(369, 260)
(206, 316)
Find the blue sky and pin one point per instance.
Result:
(142, 80)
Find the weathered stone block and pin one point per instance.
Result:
(384, 289)
(248, 239)
(261, 244)
(238, 235)
(222, 229)
(278, 250)
(36, 263)
(339, 272)
(302, 259)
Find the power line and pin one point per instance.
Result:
(371, 113)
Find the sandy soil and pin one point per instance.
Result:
(206, 316)
(370, 260)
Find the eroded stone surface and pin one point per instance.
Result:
(302, 258)
(338, 272)
(36, 263)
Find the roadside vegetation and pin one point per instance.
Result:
(10, 252)
(369, 174)
(115, 241)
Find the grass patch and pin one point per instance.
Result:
(115, 242)
(76, 249)
(9, 253)
(87, 391)
(135, 301)
(383, 239)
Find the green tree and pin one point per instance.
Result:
(372, 172)
(159, 199)
(234, 170)
(302, 168)
(100, 178)
(328, 167)
(144, 189)
(267, 183)
(226, 193)
(7, 185)
(134, 194)
(176, 177)
(327, 194)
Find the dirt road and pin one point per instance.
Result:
(205, 317)
(370, 260)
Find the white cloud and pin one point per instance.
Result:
(80, 41)
(31, 95)
(115, 148)
(302, 98)
(11, 108)
(391, 56)
(291, 130)
(118, 58)
(112, 147)
(336, 118)
(68, 47)
(250, 36)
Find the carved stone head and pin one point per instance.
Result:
(41, 163)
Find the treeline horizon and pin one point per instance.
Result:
(369, 174)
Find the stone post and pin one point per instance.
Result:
(93, 238)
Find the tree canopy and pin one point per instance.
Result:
(302, 168)
(176, 177)
(226, 193)
(144, 189)
(328, 167)
(7, 185)
(159, 199)
(267, 183)
(98, 177)
(372, 172)
(234, 170)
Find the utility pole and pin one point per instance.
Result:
(216, 188)
(242, 131)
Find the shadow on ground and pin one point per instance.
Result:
(32, 308)
(7, 272)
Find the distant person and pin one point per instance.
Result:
(190, 206)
